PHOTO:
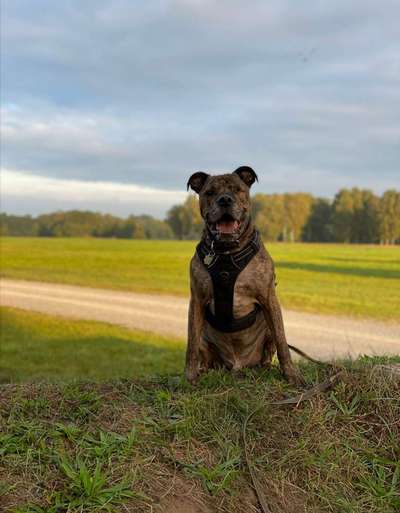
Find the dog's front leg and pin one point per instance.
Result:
(273, 315)
(195, 328)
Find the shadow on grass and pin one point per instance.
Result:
(94, 358)
(364, 260)
(388, 274)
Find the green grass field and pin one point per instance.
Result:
(38, 347)
(354, 280)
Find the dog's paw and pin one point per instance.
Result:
(192, 376)
(294, 377)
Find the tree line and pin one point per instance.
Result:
(77, 223)
(353, 216)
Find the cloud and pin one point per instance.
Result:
(20, 189)
(148, 92)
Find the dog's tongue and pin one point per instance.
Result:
(227, 226)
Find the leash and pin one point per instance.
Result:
(310, 358)
(304, 396)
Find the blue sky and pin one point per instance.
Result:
(111, 105)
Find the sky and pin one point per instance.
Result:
(111, 105)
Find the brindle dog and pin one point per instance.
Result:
(225, 208)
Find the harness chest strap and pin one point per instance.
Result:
(224, 268)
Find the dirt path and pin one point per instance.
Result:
(321, 336)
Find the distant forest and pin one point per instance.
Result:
(353, 216)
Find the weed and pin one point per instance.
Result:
(85, 490)
(79, 403)
(22, 437)
(219, 477)
(345, 408)
(105, 445)
(383, 482)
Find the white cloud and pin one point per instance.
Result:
(107, 196)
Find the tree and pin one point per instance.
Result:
(342, 216)
(355, 216)
(389, 217)
(318, 227)
(107, 226)
(297, 212)
(281, 217)
(185, 220)
(368, 225)
(22, 226)
(268, 212)
(155, 228)
(174, 220)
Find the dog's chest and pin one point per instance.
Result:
(244, 296)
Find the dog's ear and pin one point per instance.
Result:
(197, 181)
(247, 174)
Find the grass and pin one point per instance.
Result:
(354, 280)
(158, 445)
(82, 430)
(36, 347)
(85, 429)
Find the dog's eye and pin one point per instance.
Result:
(210, 192)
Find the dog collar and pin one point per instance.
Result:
(209, 253)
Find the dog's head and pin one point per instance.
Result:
(224, 201)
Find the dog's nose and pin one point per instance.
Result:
(225, 200)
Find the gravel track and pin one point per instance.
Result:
(322, 336)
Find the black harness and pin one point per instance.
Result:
(224, 268)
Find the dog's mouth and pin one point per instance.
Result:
(227, 225)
